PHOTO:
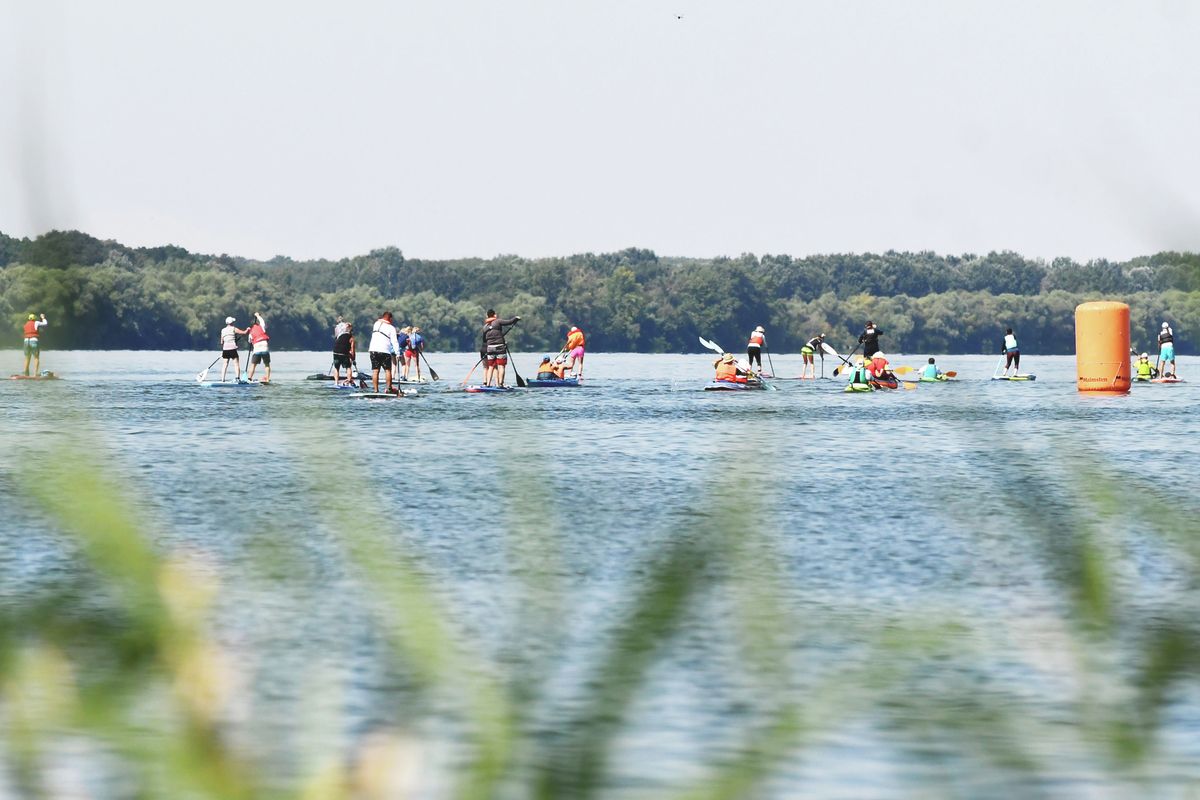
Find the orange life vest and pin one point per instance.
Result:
(257, 334)
(756, 339)
(551, 370)
(575, 340)
(728, 372)
(878, 365)
(31, 329)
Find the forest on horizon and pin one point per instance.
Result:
(100, 294)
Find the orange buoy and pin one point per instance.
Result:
(1102, 348)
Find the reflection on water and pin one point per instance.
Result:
(632, 587)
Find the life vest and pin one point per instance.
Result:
(756, 339)
(930, 371)
(258, 334)
(575, 340)
(31, 329)
(878, 366)
(1010, 342)
(1163, 338)
(550, 372)
(1145, 369)
(728, 372)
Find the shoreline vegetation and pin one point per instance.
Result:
(112, 297)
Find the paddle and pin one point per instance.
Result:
(202, 374)
(996, 371)
(520, 380)
(463, 382)
(951, 374)
(769, 361)
(903, 370)
(432, 373)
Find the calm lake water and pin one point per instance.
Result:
(872, 512)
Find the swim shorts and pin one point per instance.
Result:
(497, 355)
(261, 358)
(577, 353)
(341, 360)
(381, 360)
(1168, 352)
(31, 346)
(230, 354)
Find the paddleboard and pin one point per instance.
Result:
(1014, 377)
(1167, 380)
(383, 395)
(730, 386)
(44, 376)
(228, 384)
(488, 389)
(547, 383)
(325, 376)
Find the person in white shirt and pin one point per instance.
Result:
(229, 351)
(384, 348)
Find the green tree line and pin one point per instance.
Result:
(105, 295)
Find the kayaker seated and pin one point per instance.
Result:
(550, 370)
(880, 368)
(930, 372)
(1145, 370)
(729, 371)
(861, 373)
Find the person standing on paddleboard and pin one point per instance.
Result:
(1012, 353)
(260, 348)
(758, 340)
(495, 348)
(811, 346)
(229, 351)
(869, 339)
(32, 346)
(412, 352)
(383, 349)
(574, 348)
(1166, 352)
(344, 354)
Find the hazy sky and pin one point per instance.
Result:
(479, 127)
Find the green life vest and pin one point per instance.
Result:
(1145, 369)
(930, 371)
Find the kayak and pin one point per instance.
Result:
(892, 384)
(547, 383)
(733, 386)
(935, 380)
(488, 389)
(45, 376)
(859, 387)
(1014, 377)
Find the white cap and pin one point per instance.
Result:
(1165, 325)
(229, 320)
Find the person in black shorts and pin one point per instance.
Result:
(344, 355)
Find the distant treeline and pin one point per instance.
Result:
(104, 295)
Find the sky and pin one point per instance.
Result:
(455, 128)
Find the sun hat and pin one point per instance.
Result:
(727, 358)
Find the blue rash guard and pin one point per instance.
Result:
(930, 371)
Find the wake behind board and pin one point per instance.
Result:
(1014, 377)
(488, 389)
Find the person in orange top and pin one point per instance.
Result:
(550, 369)
(32, 348)
(880, 368)
(758, 340)
(574, 348)
(728, 370)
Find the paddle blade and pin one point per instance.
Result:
(200, 376)
(951, 374)
(710, 345)
(829, 350)
(903, 370)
